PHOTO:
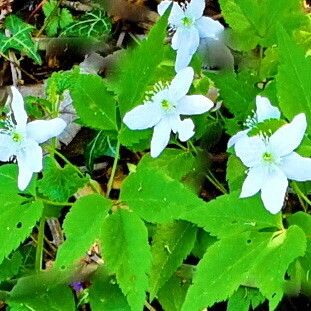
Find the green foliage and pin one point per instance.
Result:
(172, 243)
(20, 38)
(91, 25)
(126, 253)
(293, 79)
(105, 294)
(82, 227)
(56, 18)
(254, 21)
(235, 173)
(58, 184)
(94, 104)
(10, 266)
(257, 259)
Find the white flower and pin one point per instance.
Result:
(271, 161)
(22, 139)
(264, 111)
(162, 111)
(190, 26)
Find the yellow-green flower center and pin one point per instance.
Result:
(268, 157)
(187, 21)
(166, 105)
(17, 137)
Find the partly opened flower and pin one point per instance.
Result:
(162, 111)
(190, 25)
(264, 111)
(22, 139)
(272, 161)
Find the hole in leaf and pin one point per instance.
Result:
(287, 277)
(249, 241)
(63, 267)
(19, 225)
(234, 222)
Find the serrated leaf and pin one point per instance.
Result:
(228, 214)
(20, 38)
(235, 173)
(105, 294)
(82, 227)
(94, 104)
(156, 197)
(293, 78)
(126, 253)
(10, 266)
(58, 184)
(17, 219)
(257, 259)
(90, 25)
(171, 245)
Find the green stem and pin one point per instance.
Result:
(180, 146)
(114, 169)
(193, 147)
(301, 194)
(39, 250)
(55, 203)
(213, 180)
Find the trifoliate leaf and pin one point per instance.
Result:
(82, 227)
(94, 104)
(126, 253)
(228, 214)
(105, 294)
(20, 38)
(158, 198)
(257, 259)
(293, 79)
(58, 184)
(172, 243)
(17, 218)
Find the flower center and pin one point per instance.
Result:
(17, 137)
(187, 21)
(268, 157)
(167, 105)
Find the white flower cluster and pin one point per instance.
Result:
(21, 139)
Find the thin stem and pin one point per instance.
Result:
(193, 147)
(55, 203)
(39, 249)
(301, 194)
(213, 180)
(114, 169)
(180, 146)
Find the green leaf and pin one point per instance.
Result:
(257, 259)
(10, 266)
(20, 38)
(293, 79)
(172, 295)
(228, 214)
(156, 197)
(59, 184)
(171, 245)
(126, 253)
(82, 226)
(235, 173)
(94, 104)
(90, 25)
(45, 291)
(105, 294)
(17, 218)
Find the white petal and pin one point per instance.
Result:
(195, 8)
(30, 156)
(254, 181)
(183, 58)
(185, 129)
(208, 27)
(296, 167)
(6, 147)
(163, 5)
(194, 104)
(17, 104)
(180, 85)
(176, 14)
(42, 130)
(160, 137)
(250, 150)
(288, 137)
(273, 190)
(264, 109)
(142, 117)
(232, 141)
(24, 176)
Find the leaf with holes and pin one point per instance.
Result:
(172, 243)
(126, 253)
(20, 38)
(82, 227)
